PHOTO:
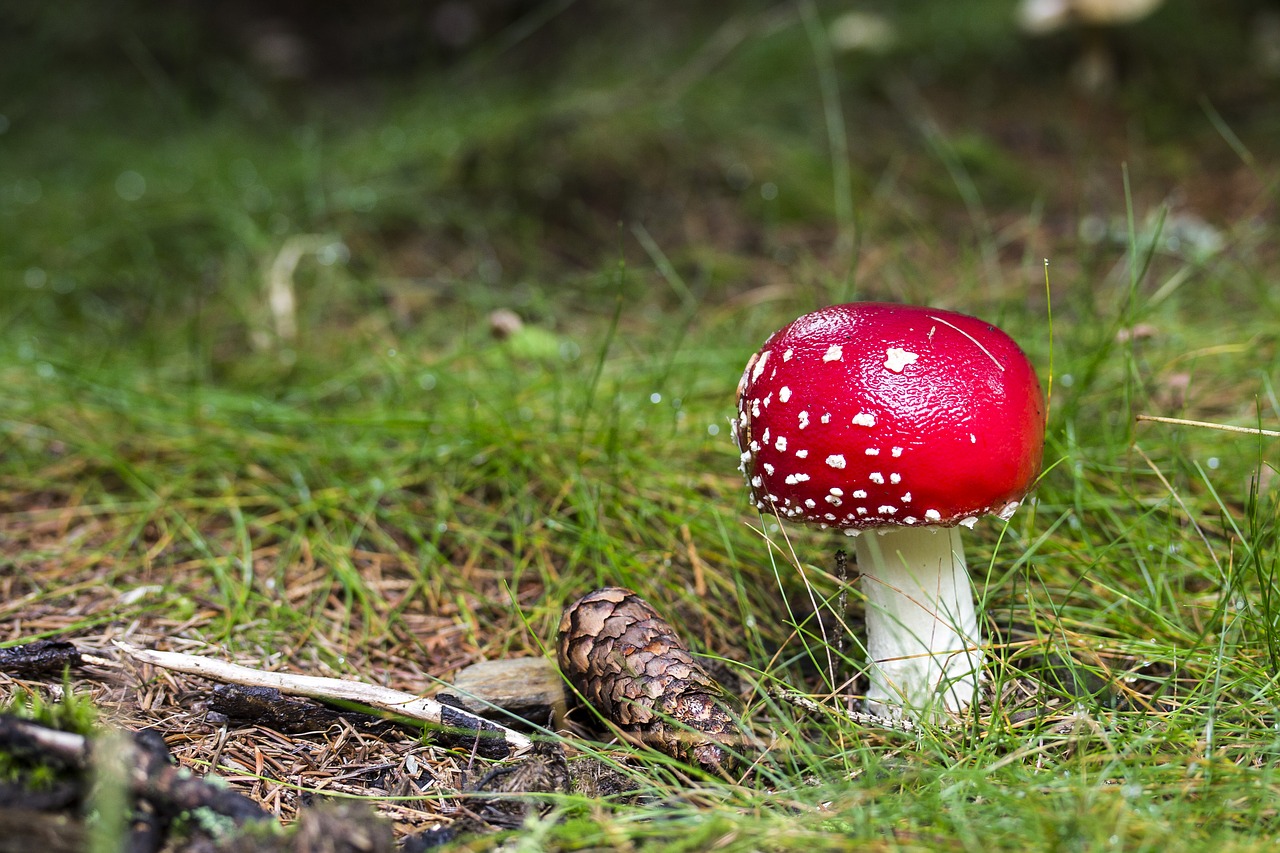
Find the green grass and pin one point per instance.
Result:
(395, 493)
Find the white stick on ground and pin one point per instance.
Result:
(328, 689)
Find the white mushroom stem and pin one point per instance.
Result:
(923, 635)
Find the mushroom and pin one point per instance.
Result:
(1095, 69)
(910, 422)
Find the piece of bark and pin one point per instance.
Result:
(151, 773)
(266, 706)
(630, 665)
(529, 688)
(41, 657)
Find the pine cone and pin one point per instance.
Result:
(628, 663)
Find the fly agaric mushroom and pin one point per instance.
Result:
(908, 422)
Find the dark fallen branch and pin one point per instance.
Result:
(150, 772)
(268, 707)
(41, 657)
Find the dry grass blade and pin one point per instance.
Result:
(1269, 433)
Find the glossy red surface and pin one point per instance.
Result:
(872, 414)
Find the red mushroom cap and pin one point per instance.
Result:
(871, 414)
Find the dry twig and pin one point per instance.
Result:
(494, 740)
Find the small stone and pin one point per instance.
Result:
(530, 688)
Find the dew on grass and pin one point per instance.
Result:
(130, 185)
(713, 429)
(738, 176)
(362, 199)
(333, 253)
(655, 398)
(243, 173)
(27, 191)
(258, 197)
(1213, 463)
(392, 138)
(34, 278)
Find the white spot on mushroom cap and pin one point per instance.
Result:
(786, 356)
(826, 419)
(784, 394)
(837, 491)
(781, 443)
(757, 481)
(860, 493)
(793, 479)
(933, 515)
(886, 509)
(896, 359)
(759, 368)
(865, 419)
(801, 454)
(833, 500)
(1008, 510)
(895, 478)
(973, 439)
(906, 497)
(768, 469)
(836, 460)
(810, 503)
(834, 353)
(872, 451)
(804, 419)
(896, 452)
(876, 477)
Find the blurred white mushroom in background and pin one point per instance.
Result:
(861, 31)
(1095, 70)
(1041, 17)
